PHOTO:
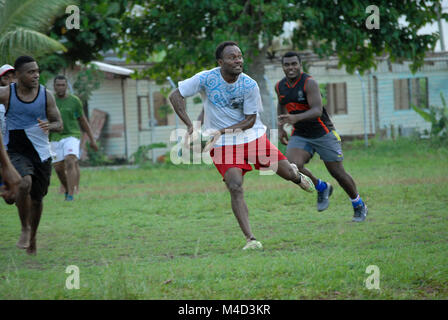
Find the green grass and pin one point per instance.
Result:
(169, 233)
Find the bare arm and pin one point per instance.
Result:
(315, 102)
(10, 176)
(201, 117)
(180, 107)
(54, 123)
(4, 159)
(4, 96)
(247, 123)
(281, 110)
(86, 127)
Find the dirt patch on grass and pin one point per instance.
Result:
(433, 291)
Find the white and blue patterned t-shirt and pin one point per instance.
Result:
(226, 104)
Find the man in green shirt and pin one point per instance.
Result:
(65, 145)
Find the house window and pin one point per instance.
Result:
(143, 113)
(334, 97)
(408, 92)
(163, 112)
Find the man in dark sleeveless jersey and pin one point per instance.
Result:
(300, 105)
(31, 113)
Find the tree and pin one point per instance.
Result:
(438, 116)
(342, 30)
(187, 32)
(99, 32)
(87, 80)
(23, 25)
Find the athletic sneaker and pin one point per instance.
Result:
(253, 244)
(323, 198)
(360, 213)
(305, 182)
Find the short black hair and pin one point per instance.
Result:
(221, 46)
(291, 54)
(59, 77)
(20, 61)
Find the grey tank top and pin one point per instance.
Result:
(23, 115)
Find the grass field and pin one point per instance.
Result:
(169, 233)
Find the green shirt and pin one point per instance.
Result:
(71, 110)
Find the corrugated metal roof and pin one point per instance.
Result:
(113, 69)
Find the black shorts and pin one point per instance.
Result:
(40, 173)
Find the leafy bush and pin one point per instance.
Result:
(438, 116)
(97, 158)
(141, 155)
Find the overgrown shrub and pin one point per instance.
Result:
(438, 117)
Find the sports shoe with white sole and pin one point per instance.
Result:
(305, 182)
(323, 198)
(360, 213)
(253, 244)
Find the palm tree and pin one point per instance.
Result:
(23, 25)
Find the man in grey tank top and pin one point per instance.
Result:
(31, 113)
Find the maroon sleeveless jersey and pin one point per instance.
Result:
(293, 97)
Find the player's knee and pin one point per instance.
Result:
(36, 203)
(235, 187)
(59, 166)
(70, 161)
(25, 185)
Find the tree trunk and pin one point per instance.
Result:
(257, 72)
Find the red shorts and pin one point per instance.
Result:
(260, 152)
